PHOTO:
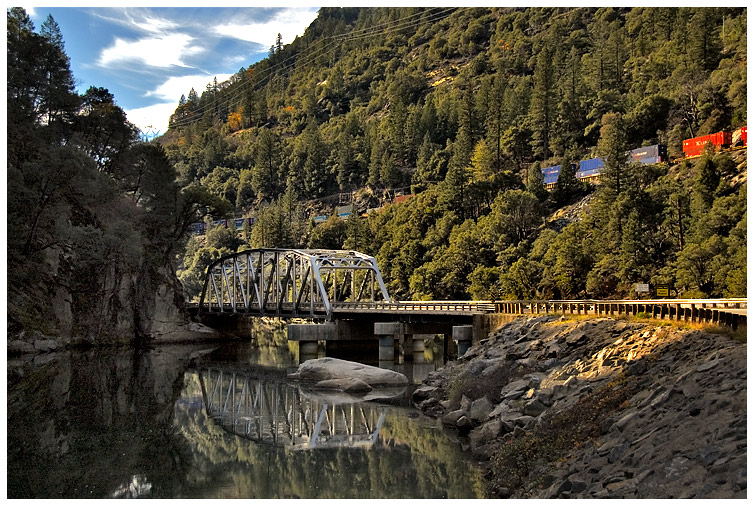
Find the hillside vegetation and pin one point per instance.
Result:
(461, 108)
(95, 217)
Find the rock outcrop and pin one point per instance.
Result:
(145, 306)
(599, 408)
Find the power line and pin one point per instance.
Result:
(331, 43)
(330, 47)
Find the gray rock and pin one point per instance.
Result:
(423, 393)
(622, 423)
(708, 455)
(606, 424)
(330, 368)
(507, 425)
(576, 339)
(615, 455)
(742, 480)
(577, 486)
(485, 433)
(534, 408)
(708, 366)
(348, 385)
(500, 409)
(451, 418)
(545, 396)
(465, 404)
(45, 345)
(20, 347)
(480, 409)
(514, 389)
(557, 488)
(464, 423)
(534, 380)
(431, 407)
(523, 421)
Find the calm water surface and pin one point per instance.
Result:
(217, 422)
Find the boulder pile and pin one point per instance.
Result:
(599, 408)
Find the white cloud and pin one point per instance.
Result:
(153, 117)
(164, 51)
(174, 87)
(154, 25)
(288, 22)
(156, 116)
(135, 19)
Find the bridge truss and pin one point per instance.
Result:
(291, 282)
(274, 412)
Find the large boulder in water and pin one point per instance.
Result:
(328, 368)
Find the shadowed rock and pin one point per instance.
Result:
(317, 370)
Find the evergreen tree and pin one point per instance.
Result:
(535, 182)
(542, 105)
(566, 184)
(612, 148)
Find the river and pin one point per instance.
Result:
(218, 421)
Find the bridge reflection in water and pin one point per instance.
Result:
(270, 410)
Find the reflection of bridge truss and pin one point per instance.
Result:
(291, 282)
(265, 410)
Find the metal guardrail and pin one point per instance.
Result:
(725, 312)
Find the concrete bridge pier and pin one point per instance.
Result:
(341, 334)
(308, 350)
(390, 335)
(462, 335)
(418, 347)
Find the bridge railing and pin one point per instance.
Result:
(727, 312)
(419, 306)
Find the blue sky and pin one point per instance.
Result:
(148, 57)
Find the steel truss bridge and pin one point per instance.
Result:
(269, 410)
(319, 284)
(335, 284)
(291, 282)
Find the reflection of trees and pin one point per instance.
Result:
(87, 424)
(439, 464)
(407, 461)
(104, 424)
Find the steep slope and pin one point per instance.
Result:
(600, 408)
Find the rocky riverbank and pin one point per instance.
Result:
(600, 408)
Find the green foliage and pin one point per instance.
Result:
(464, 109)
(92, 213)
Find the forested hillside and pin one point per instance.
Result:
(461, 107)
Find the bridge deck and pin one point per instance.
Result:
(719, 311)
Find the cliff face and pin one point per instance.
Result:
(123, 308)
(600, 408)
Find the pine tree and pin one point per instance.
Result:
(542, 105)
(535, 182)
(612, 148)
(567, 184)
